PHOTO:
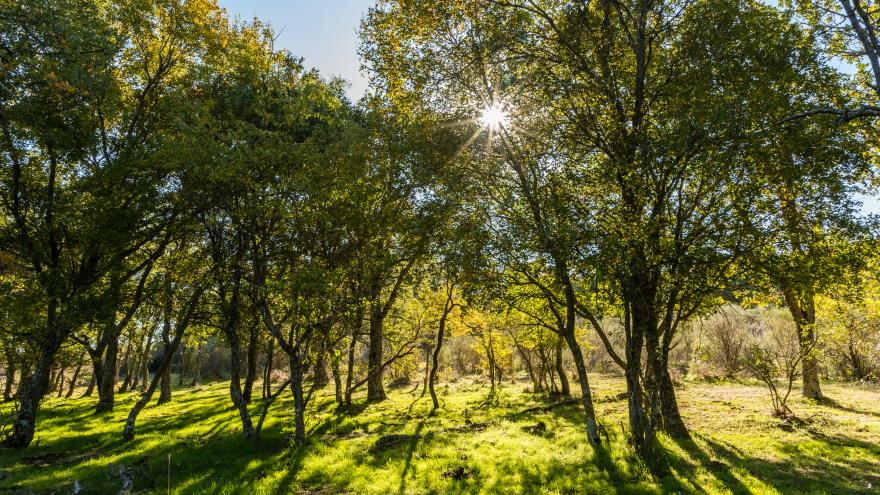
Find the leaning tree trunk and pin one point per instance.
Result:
(165, 363)
(586, 393)
(73, 380)
(60, 384)
(180, 326)
(673, 425)
(30, 394)
(91, 387)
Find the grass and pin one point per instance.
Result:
(737, 447)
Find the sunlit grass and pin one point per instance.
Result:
(737, 447)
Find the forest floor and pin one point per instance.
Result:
(472, 445)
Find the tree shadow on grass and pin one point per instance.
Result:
(796, 472)
(833, 404)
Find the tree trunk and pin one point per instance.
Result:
(10, 381)
(165, 373)
(435, 356)
(803, 312)
(60, 384)
(320, 378)
(91, 387)
(586, 395)
(106, 374)
(73, 380)
(337, 380)
(673, 425)
(349, 376)
(564, 387)
(235, 385)
(252, 355)
(30, 394)
(641, 429)
(180, 326)
(299, 405)
(183, 354)
(375, 389)
(126, 362)
(267, 371)
(145, 362)
(197, 367)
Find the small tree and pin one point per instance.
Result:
(776, 353)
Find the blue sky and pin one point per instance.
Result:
(324, 32)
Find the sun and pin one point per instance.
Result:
(493, 117)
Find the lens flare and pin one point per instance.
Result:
(493, 117)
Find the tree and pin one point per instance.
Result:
(88, 183)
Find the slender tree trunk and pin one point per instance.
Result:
(427, 371)
(337, 380)
(235, 386)
(564, 387)
(53, 380)
(252, 354)
(73, 379)
(586, 394)
(375, 388)
(183, 355)
(165, 374)
(145, 364)
(10, 380)
(197, 367)
(267, 371)
(126, 362)
(299, 405)
(60, 384)
(435, 356)
(180, 326)
(349, 376)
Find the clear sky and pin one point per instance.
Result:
(324, 32)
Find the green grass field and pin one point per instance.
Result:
(472, 445)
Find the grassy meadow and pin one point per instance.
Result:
(474, 444)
